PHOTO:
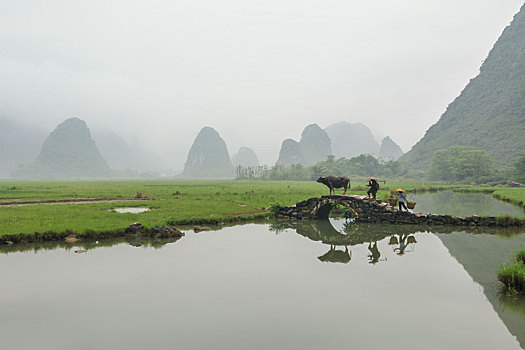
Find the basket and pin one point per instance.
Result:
(393, 240)
(411, 205)
(392, 202)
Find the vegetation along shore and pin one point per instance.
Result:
(28, 210)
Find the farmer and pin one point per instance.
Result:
(402, 199)
(374, 186)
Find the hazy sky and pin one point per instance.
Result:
(256, 71)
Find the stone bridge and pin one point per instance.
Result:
(366, 210)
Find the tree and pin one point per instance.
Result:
(460, 163)
(519, 167)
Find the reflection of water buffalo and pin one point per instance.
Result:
(336, 256)
(335, 182)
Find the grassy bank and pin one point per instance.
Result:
(176, 202)
(513, 276)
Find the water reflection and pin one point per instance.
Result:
(131, 210)
(404, 241)
(375, 254)
(133, 240)
(481, 256)
(353, 234)
(513, 303)
(336, 256)
(245, 287)
(463, 204)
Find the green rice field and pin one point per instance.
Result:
(27, 207)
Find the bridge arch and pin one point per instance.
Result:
(319, 208)
(325, 206)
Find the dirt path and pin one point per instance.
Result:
(72, 201)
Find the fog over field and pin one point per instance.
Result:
(156, 72)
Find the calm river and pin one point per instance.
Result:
(271, 285)
(463, 204)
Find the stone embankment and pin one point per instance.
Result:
(154, 232)
(367, 210)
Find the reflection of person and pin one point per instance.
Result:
(402, 244)
(402, 199)
(374, 187)
(375, 254)
(404, 241)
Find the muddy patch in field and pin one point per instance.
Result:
(131, 210)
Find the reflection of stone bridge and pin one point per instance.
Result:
(366, 210)
(353, 234)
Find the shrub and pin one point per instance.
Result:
(520, 256)
(519, 167)
(513, 277)
(275, 209)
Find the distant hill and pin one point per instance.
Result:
(68, 152)
(315, 145)
(117, 153)
(122, 155)
(341, 139)
(208, 157)
(351, 140)
(389, 150)
(246, 157)
(290, 153)
(489, 113)
(19, 144)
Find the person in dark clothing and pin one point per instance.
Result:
(374, 187)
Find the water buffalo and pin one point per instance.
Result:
(335, 182)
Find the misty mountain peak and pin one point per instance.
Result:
(389, 150)
(351, 139)
(246, 157)
(290, 153)
(69, 152)
(315, 144)
(208, 157)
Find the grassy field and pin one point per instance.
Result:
(178, 202)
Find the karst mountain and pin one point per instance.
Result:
(208, 157)
(69, 152)
(245, 157)
(489, 114)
